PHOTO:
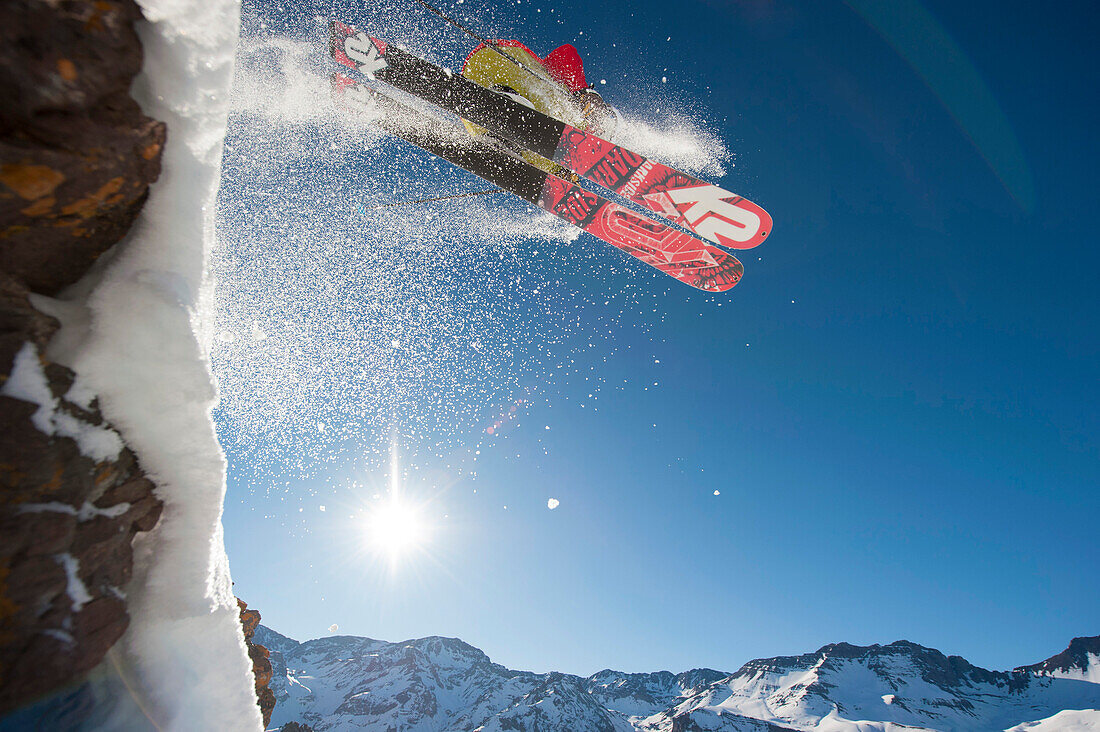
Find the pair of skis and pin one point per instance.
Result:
(715, 216)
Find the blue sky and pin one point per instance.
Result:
(897, 404)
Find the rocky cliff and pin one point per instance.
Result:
(261, 660)
(77, 157)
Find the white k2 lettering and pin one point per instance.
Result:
(712, 216)
(361, 49)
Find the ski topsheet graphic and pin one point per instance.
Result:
(711, 212)
(680, 255)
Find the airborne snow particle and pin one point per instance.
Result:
(325, 311)
(552, 503)
(322, 509)
(333, 628)
(717, 493)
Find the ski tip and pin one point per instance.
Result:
(723, 277)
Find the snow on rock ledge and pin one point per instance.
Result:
(184, 648)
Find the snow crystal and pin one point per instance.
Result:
(61, 635)
(674, 139)
(52, 506)
(552, 503)
(28, 383)
(80, 394)
(75, 588)
(425, 316)
(333, 628)
(94, 441)
(85, 513)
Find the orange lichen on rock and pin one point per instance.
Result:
(261, 661)
(67, 69)
(90, 205)
(40, 207)
(30, 181)
(151, 150)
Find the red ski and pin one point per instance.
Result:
(680, 255)
(711, 212)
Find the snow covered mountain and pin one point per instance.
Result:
(348, 683)
(842, 686)
(1080, 661)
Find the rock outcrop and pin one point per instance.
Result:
(77, 157)
(295, 727)
(1081, 657)
(261, 661)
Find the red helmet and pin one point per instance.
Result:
(565, 67)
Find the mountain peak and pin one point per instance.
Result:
(1082, 657)
(272, 640)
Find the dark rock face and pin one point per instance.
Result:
(67, 521)
(658, 689)
(943, 671)
(76, 153)
(261, 661)
(295, 727)
(77, 157)
(1074, 658)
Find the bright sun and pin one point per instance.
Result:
(396, 528)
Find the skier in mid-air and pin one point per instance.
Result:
(555, 85)
(544, 131)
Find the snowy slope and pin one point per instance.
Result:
(1081, 660)
(1087, 720)
(880, 687)
(349, 683)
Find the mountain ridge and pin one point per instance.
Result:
(438, 683)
